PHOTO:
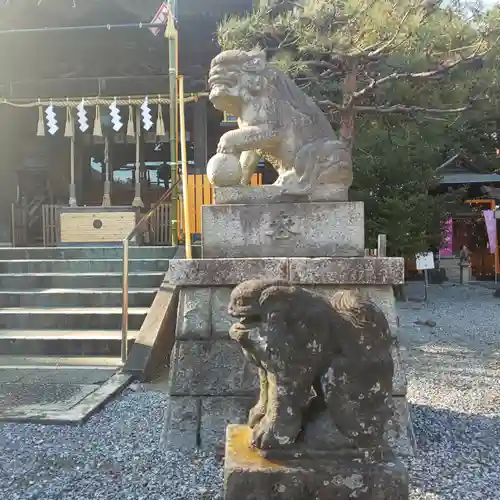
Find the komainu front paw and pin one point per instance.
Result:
(223, 149)
(227, 146)
(266, 434)
(256, 414)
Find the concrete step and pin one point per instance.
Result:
(85, 253)
(63, 342)
(19, 281)
(58, 362)
(69, 297)
(81, 266)
(95, 318)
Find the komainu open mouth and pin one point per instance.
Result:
(221, 81)
(246, 323)
(251, 320)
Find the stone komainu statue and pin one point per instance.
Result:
(278, 122)
(308, 348)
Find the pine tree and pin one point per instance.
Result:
(397, 78)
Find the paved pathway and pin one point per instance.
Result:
(55, 395)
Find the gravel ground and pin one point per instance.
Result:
(453, 375)
(117, 454)
(453, 369)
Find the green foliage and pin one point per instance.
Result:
(426, 88)
(395, 168)
(318, 43)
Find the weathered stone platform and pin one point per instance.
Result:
(249, 195)
(319, 271)
(248, 476)
(210, 384)
(284, 230)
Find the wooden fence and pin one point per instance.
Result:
(160, 232)
(49, 225)
(200, 193)
(160, 227)
(19, 225)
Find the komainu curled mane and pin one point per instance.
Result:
(276, 121)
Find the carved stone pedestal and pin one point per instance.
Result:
(211, 385)
(249, 476)
(318, 246)
(261, 195)
(284, 230)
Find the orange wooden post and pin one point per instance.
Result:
(200, 182)
(180, 219)
(201, 192)
(207, 192)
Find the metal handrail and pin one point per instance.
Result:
(125, 242)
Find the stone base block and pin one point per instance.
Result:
(338, 271)
(284, 230)
(211, 368)
(399, 432)
(201, 422)
(249, 476)
(211, 384)
(258, 195)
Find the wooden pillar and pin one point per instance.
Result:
(185, 191)
(81, 163)
(173, 68)
(106, 199)
(137, 202)
(200, 135)
(11, 144)
(72, 185)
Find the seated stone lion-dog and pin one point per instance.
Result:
(307, 347)
(277, 121)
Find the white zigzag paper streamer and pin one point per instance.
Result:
(83, 121)
(116, 118)
(147, 119)
(51, 120)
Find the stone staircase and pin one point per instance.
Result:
(62, 306)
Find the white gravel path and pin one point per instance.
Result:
(117, 454)
(454, 375)
(453, 371)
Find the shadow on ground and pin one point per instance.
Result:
(454, 450)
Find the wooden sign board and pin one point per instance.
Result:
(95, 225)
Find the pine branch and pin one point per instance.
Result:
(325, 64)
(428, 7)
(444, 68)
(401, 108)
(372, 51)
(397, 108)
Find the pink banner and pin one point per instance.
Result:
(491, 228)
(447, 246)
(160, 17)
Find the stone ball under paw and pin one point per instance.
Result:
(224, 170)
